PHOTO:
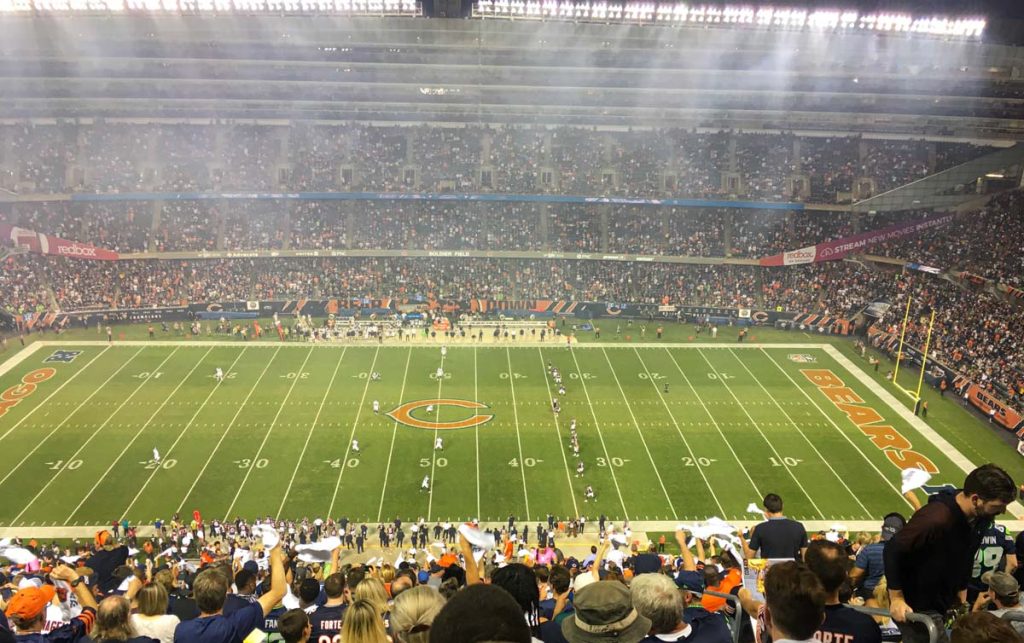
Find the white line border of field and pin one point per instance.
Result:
(19, 357)
(927, 432)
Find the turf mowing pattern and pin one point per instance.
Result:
(275, 437)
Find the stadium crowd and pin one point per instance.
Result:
(212, 581)
(244, 225)
(116, 157)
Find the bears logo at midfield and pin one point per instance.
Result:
(404, 412)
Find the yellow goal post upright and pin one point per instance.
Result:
(903, 334)
(924, 358)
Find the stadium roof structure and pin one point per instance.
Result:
(954, 187)
(345, 68)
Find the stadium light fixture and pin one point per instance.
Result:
(409, 8)
(682, 13)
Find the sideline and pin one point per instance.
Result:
(927, 432)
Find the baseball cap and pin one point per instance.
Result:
(603, 612)
(30, 601)
(692, 581)
(891, 524)
(1002, 584)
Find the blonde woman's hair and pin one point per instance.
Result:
(362, 624)
(152, 600)
(387, 573)
(413, 613)
(372, 590)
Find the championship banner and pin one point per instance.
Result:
(839, 248)
(50, 245)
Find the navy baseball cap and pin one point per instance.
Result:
(692, 581)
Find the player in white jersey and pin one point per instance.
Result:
(218, 375)
(554, 405)
(440, 372)
(375, 376)
(444, 352)
(425, 485)
(376, 406)
(430, 408)
(156, 455)
(572, 425)
(579, 469)
(588, 494)
(561, 390)
(355, 446)
(438, 444)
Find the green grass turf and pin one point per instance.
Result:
(274, 439)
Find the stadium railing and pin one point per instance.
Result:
(929, 624)
(736, 623)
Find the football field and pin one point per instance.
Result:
(666, 432)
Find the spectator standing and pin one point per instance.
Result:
(151, 619)
(479, 613)
(777, 536)
(869, 567)
(828, 561)
(414, 613)
(363, 624)
(327, 618)
(294, 626)
(113, 623)
(794, 605)
(657, 598)
(27, 611)
(605, 612)
(211, 589)
(928, 563)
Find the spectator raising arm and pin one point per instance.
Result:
(472, 572)
(278, 584)
(70, 576)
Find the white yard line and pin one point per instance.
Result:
(78, 451)
(394, 434)
(180, 436)
(67, 417)
(757, 426)
(867, 512)
(927, 432)
(433, 451)
(558, 433)
(127, 446)
(263, 444)
(309, 434)
(352, 435)
(639, 432)
(838, 428)
(234, 418)
(600, 434)
(19, 357)
(57, 390)
(711, 417)
(679, 430)
(519, 437)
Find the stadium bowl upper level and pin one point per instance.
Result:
(488, 71)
